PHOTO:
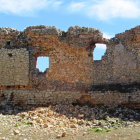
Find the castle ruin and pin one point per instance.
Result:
(73, 76)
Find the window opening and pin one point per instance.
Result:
(99, 51)
(42, 63)
(8, 43)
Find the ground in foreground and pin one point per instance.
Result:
(68, 122)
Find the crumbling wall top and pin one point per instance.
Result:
(9, 31)
(75, 35)
(76, 30)
(42, 29)
(73, 30)
(126, 35)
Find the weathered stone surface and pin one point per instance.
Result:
(14, 67)
(73, 76)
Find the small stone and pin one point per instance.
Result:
(100, 123)
(88, 123)
(45, 125)
(131, 120)
(73, 126)
(9, 112)
(105, 127)
(63, 134)
(81, 115)
(58, 136)
(80, 123)
(16, 132)
(73, 120)
(84, 133)
(126, 119)
(50, 126)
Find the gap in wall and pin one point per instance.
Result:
(99, 51)
(8, 43)
(42, 63)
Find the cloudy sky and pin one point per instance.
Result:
(110, 16)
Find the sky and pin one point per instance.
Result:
(110, 16)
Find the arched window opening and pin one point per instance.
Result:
(42, 63)
(99, 51)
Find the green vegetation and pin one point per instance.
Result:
(22, 116)
(26, 123)
(93, 128)
(98, 129)
(17, 125)
(4, 118)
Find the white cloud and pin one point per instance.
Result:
(102, 9)
(56, 4)
(77, 6)
(26, 7)
(107, 9)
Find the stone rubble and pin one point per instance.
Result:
(64, 120)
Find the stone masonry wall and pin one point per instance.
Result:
(121, 63)
(36, 97)
(14, 67)
(73, 76)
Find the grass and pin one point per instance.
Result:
(117, 123)
(26, 123)
(17, 125)
(102, 120)
(98, 129)
(93, 128)
(121, 121)
(4, 118)
(22, 116)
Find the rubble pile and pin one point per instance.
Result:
(66, 120)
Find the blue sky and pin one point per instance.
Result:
(110, 16)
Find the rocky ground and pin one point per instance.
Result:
(68, 122)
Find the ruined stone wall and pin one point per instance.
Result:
(69, 66)
(73, 76)
(70, 55)
(121, 62)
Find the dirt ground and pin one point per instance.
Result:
(25, 126)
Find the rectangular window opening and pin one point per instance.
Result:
(42, 63)
(99, 51)
(8, 43)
